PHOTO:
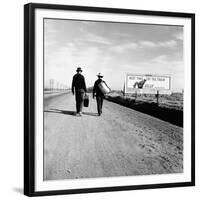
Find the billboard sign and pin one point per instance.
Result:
(147, 83)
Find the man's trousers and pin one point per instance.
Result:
(79, 101)
(99, 103)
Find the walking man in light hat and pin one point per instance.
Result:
(99, 94)
(78, 83)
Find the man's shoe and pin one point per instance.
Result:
(78, 114)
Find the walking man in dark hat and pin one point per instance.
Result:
(99, 94)
(78, 83)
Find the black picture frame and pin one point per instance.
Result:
(29, 97)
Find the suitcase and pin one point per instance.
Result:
(86, 101)
(104, 88)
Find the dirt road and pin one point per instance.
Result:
(120, 142)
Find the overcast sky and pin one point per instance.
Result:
(112, 49)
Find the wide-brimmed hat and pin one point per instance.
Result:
(79, 69)
(99, 75)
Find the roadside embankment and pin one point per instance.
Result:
(169, 108)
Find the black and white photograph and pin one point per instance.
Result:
(112, 99)
(133, 76)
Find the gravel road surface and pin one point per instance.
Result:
(121, 142)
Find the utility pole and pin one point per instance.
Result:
(52, 84)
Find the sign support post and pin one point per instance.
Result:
(135, 94)
(157, 97)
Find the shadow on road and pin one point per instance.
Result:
(65, 112)
(69, 112)
(90, 114)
